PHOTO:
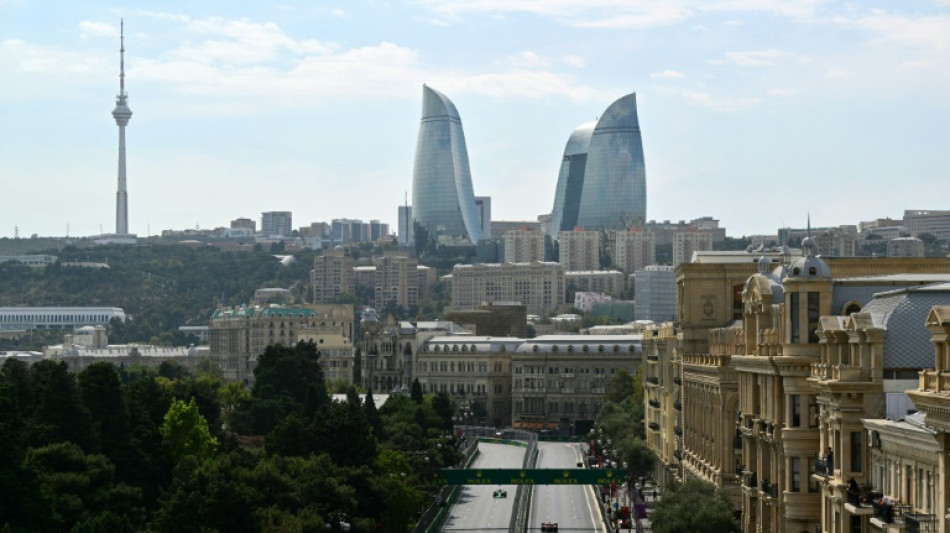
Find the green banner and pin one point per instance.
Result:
(536, 476)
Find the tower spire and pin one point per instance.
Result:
(121, 57)
(121, 114)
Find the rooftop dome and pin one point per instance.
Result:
(810, 266)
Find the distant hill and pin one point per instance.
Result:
(160, 287)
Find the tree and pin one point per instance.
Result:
(372, 414)
(620, 388)
(185, 432)
(416, 391)
(694, 506)
(102, 394)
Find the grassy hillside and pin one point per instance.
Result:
(160, 287)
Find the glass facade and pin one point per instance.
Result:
(570, 181)
(614, 193)
(443, 200)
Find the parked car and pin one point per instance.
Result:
(549, 526)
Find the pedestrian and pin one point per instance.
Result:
(654, 495)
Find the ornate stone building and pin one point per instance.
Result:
(744, 355)
(239, 335)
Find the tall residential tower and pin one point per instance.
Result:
(443, 200)
(121, 114)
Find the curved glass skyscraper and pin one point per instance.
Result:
(442, 197)
(614, 194)
(570, 180)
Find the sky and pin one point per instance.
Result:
(757, 113)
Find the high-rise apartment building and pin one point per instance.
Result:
(396, 281)
(276, 224)
(634, 249)
(614, 194)
(687, 242)
(579, 249)
(443, 200)
(524, 246)
(332, 276)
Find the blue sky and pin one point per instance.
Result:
(754, 112)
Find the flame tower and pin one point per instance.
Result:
(121, 114)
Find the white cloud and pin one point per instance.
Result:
(668, 75)
(704, 99)
(26, 57)
(755, 58)
(89, 29)
(520, 84)
(524, 60)
(782, 91)
(929, 32)
(575, 61)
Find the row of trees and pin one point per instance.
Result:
(685, 507)
(133, 450)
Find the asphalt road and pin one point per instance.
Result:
(572, 507)
(476, 509)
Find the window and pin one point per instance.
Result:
(796, 474)
(796, 410)
(793, 312)
(857, 451)
(813, 316)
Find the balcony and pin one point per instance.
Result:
(920, 522)
(653, 358)
(824, 468)
(678, 454)
(678, 431)
(677, 381)
(751, 481)
(770, 489)
(677, 405)
(654, 426)
(654, 404)
(653, 380)
(859, 502)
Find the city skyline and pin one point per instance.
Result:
(238, 104)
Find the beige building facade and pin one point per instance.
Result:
(239, 335)
(634, 249)
(332, 276)
(579, 249)
(609, 282)
(539, 286)
(524, 246)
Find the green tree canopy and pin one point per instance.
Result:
(694, 506)
(185, 432)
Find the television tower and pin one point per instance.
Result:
(121, 114)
